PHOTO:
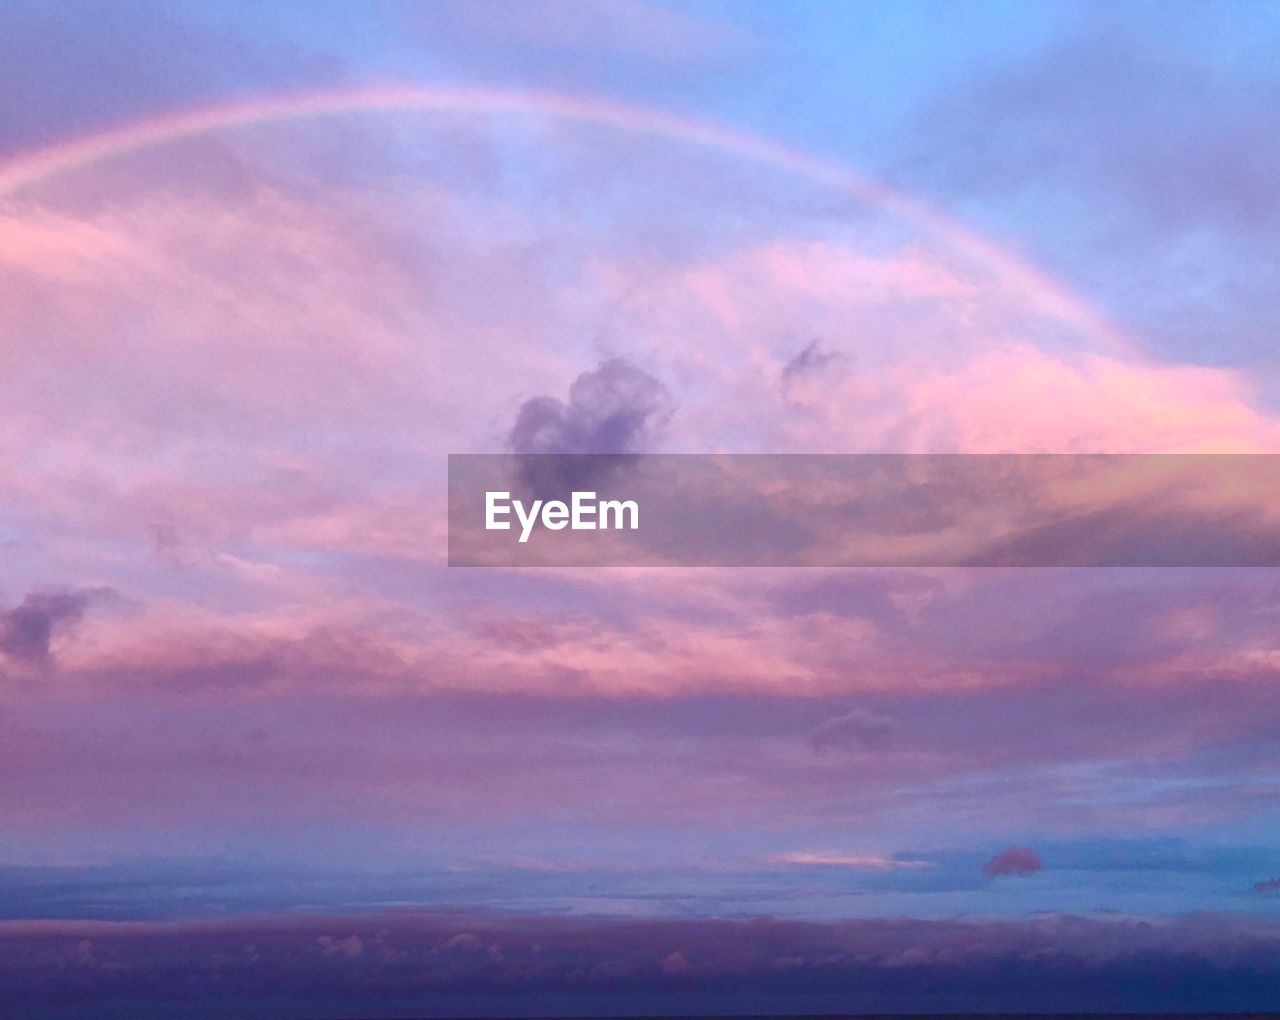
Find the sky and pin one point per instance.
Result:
(262, 268)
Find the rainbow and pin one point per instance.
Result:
(32, 168)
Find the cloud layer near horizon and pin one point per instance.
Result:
(476, 964)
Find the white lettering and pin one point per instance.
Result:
(582, 513)
(555, 515)
(526, 523)
(581, 509)
(491, 511)
(617, 507)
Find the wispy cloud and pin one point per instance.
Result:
(831, 859)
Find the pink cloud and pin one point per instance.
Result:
(861, 862)
(1018, 860)
(268, 378)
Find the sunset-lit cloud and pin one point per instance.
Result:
(256, 284)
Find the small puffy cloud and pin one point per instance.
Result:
(1017, 860)
(612, 409)
(81, 953)
(674, 963)
(857, 728)
(351, 947)
(616, 409)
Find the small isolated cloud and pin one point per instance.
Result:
(675, 963)
(1018, 860)
(170, 545)
(616, 409)
(464, 941)
(1269, 885)
(813, 359)
(612, 409)
(27, 630)
(857, 728)
(351, 947)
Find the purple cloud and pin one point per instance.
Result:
(617, 409)
(613, 409)
(27, 629)
(813, 359)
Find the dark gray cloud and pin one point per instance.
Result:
(1017, 860)
(615, 408)
(1269, 885)
(613, 413)
(27, 630)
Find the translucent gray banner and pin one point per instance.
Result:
(864, 510)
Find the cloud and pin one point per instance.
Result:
(292, 358)
(813, 359)
(857, 728)
(612, 412)
(27, 630)
(614, 409)
(583, 965)
(1269, 885)
(674, 963)
(862, 862)
(351, 947)
(464, 941)
(1018, 860)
